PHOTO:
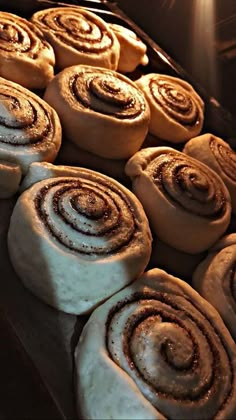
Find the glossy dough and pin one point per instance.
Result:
(30, 129)
(132, 49)
(187, 203)
(215, 280)
(101, 111)
(218, 155)
(158, 349)
(78, 37)
(177, 111)
(83, 239)
(25, 57)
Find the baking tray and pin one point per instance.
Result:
(49, 336)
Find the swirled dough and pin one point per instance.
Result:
(177, 111)
(83, 239)
(78, 36)
(101, 111)
(218, 155)
(132, 49)
(30, 129)
(215, 280)
(156, 349)
(25, 56)
(187, 203)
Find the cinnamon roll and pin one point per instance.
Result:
(132, 49)
(30, 129)
(187, 203)
(177, 111)
(25, 57)
(78, 37)
(215, 280)
(85, 238)
(101, 111)
(218, 155)
(160, 351)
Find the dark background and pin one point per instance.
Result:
(195, 33)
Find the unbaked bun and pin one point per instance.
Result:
(218, 155)
(177, 111)
(25, 57)
(156, 350)
(101, 111)
(30, 129)
(187, 203)
(223, 242)
(78, 37)
(215, 280)
(84, 238)
(132, 49)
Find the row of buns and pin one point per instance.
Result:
(153, 347)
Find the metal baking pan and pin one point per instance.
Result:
(49, 336)
(218, 120)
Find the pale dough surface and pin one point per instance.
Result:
(30, 129)
(177, 111)
(215, 280)
(78, 36)
(218, 155)
(187, 204)
(150, 329)
(83, 238)
(25, 56)
(101, 111)
(132, 49)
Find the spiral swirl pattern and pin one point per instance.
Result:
(24, 120)
(189, 183)
(176, 101)
(187, 203)
(30, 128)
(25, 56)
(225, 157)
(86, 216)
(77, 28)
(107, 93)
(168, 345)
(17, 35)
(78, 36)
(215, 280)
